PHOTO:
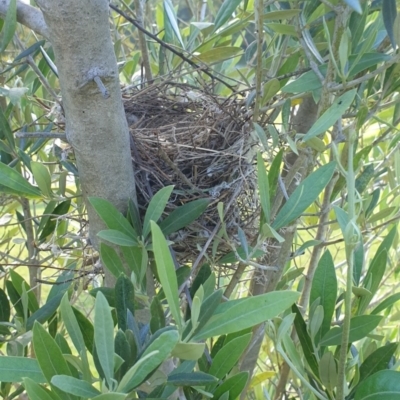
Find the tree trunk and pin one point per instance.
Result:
(96, 125)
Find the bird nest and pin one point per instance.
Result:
(202, 145)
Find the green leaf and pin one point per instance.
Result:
(166, 271)
(170, 13)
(331, 115)
(328, 371)
(42, 178)
(75, 333)
(234, 385)
(124, 300)
(281, 14)
(74, 386)
(13, 180)
(191, 379)
(228, 356)
(117, 237)
(35, 391)
(183, 216)
(18, 281)
(263, 187)
(111, 260)
(86, 328)
(324, 287)
(32, 49)
(156, 207)
(4, 307)
(304, 195)
(188, 351)
(218, 54)
(355, 5)
(389, 12)
(384, 385)
(49, 357)
(377, 361)
(46, 311)
(6, 132)
(305, 340)
(14, 369)
(156, 353)
(10, 25)
(360, 327)
(225, 12)
(110, 396)
(388, 302)
(283, 29)
(112, 217)
(51, 221)
(235, 315)
(104, 336)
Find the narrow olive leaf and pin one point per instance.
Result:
(305, 340)
(261, 135)
(42, 178)
(6, 132)
(117, 237)
(188, 351)
(110, 396)
(124, 300)
(228, 356)
(77, 387)
(156, 208)
(49, 357)
(388, 302)
(111, 260)
(236, 315)
(225, 12)
(30, 50)
(112, 217)
(18, 281)
(384, 385)
(304, 195)
(13, 180)
(86, 328)
(360, 327)
(191, 379)
(355, 5)
(170, 13)
(45, 312)
(75, 334)
(263, 187)
(156, 353)
(10, 24)
(104, 336)
(389, 12)
(234, 385)
(324, 287)
(166, 272)
(377, 361)
(328, 371)
(281, 14)
(183, 216)
(5, 310)
(14, 369)
(307, 82)
(35, 391)
(50, 221)
(218, 54)
(331, 115)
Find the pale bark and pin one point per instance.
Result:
(96, 125)
(27, 15)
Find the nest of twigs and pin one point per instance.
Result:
(202, 145)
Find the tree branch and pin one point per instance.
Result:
(27, 15)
